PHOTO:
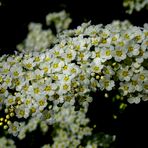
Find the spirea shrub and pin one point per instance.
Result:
(48, 81)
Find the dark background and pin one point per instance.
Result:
(131, 126)
(16, 14)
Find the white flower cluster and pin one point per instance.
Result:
(101, 140)
(71, 127)
(46, 87)
(6, 143)
(113, 56)
(61, 20)
(32, 84)
(39, 39)
(137, 5)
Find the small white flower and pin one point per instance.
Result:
(22, 112)
(144, 44)
(145, 87)
(94, 84)
(125, 88)
(145, 97)
(65, 78)
(8, 81)
(48, 56)
(57, 51)
(42, 103)
(143, 76)
(114, 38)
(143, 54)
(133, 50)
(106, 53)
(136, 84)
(38, 57)
(50, 88)
(29, 75)
(29, 63)
(106, 83)
(96, 66)
(32, 125)
(108, 71)
(95, 40)
(121, 43)
(105, 33)
(5, 68)
(10, 100)
(139, 36)
(64, 88)
(22, 133)
(38, 74)
(16, 71)
(96, 53)
(134, 99)
(34, 109)
(3, 90)
(83, 56)
(83, 79)
(105, 42)
(35, 89)
(69, 55)
(14, 128)
(45, 67)
(119, 54)
(28, 102)
(125, 73)
(74, 70)
(128, 35)
(57, 65)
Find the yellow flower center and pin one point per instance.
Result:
(119, 53)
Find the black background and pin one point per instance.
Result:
(131, 126)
